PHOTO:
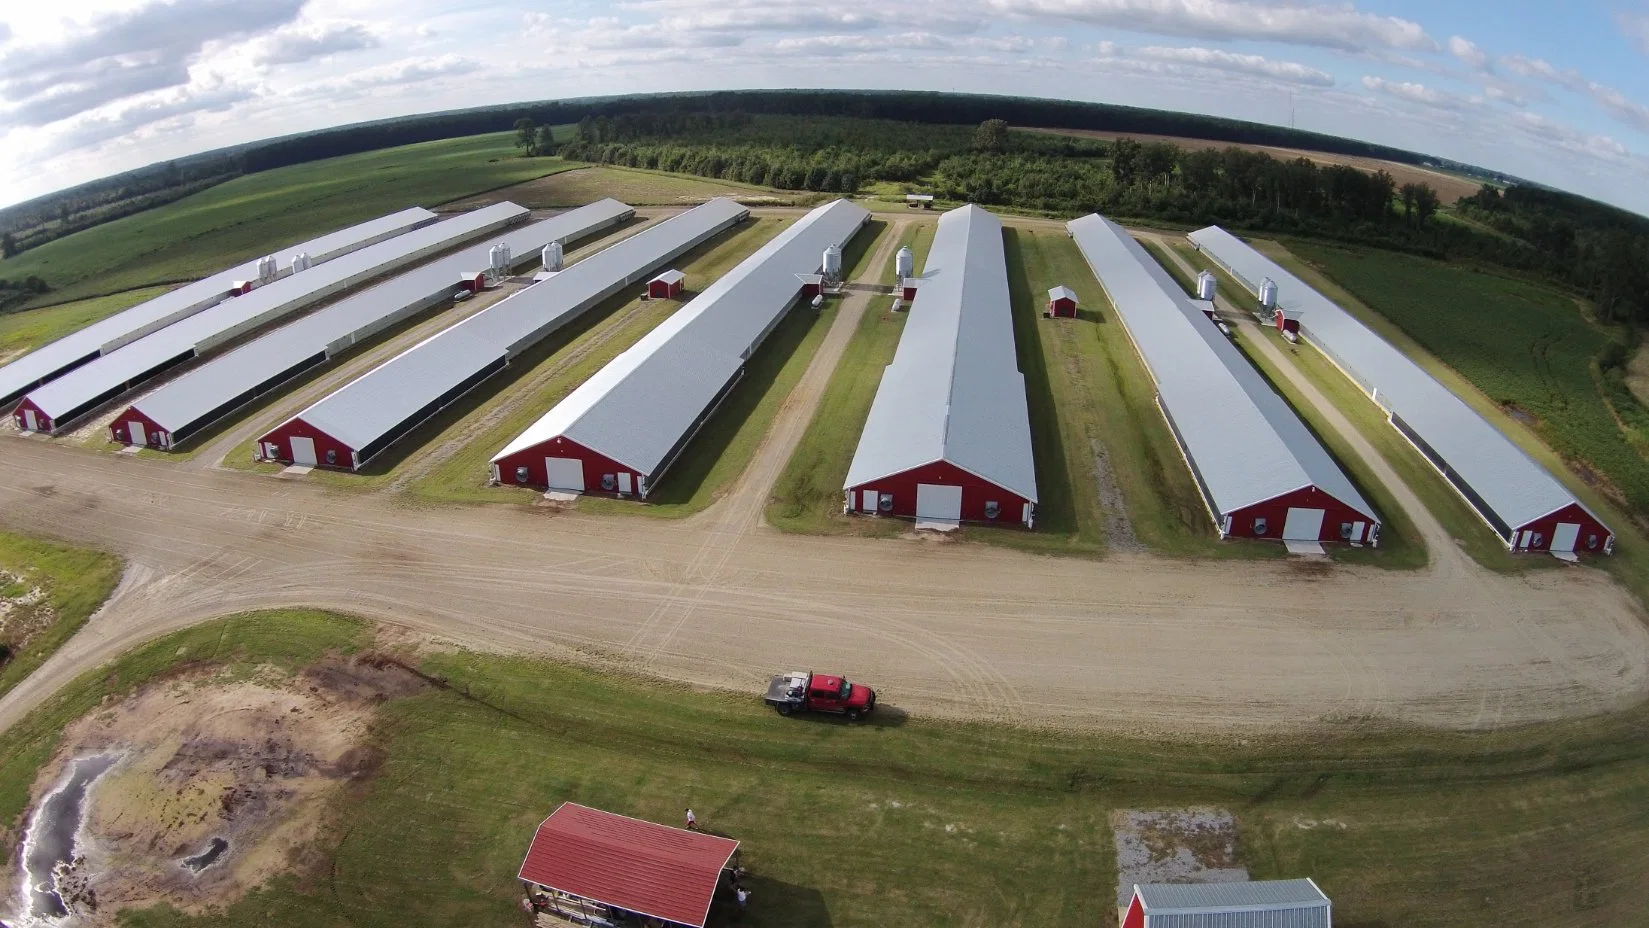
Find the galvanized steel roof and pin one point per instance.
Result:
(1063, 293)
(1261, 904)
(197, 394)
(1510, 483)
(106, 335)
(954, 391)
(213, 326)
(370, 407)
(637, 408)
(1243, 439)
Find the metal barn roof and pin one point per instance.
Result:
(670, 277)
(106, 335)
(1063, 293)
(1262, 904)
(638, 866)
(954, 391)
(1510, 483)
(372, 407)
(1243, 440)
(188, 401)
(107, 376)
(639, 407)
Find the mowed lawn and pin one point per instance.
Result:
(574, 354)
(74, 581)
(1527, 348)
(903, 821)
(25, 330)
(262, 213)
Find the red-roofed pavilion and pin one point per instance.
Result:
(627, 863)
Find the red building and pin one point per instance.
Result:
(666, 286)
(563, 464)
(1257, 904)
(1570, 529)
(242, 287)
(134, 428)
(31, 417)
(1309, 513)
(297, 442)
(1062, 303)
(473, 281)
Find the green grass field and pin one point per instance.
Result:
(633, 186)
(1526, 348)
(621, 321)
(252, 215)
(25, 330)
(919, 237)
(943, 824)
(76, 581)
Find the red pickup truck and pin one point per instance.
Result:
(818, 692)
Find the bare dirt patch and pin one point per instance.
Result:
(24, 612)
(1637, 374)
(1449, 187)
(250, 763)
(1175, 846)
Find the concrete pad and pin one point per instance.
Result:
(561, 496)
(937, 525)
(131, 449)
(296, 470)
(1305, 549)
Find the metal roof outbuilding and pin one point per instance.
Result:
(642, 867)
(1511, 489)
(52, 360)
(954, 391)
(182, 406)
(1243, 443)
(369, 413)
(642, 407)
(1258, 904)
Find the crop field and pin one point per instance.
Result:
(47, 592)
(1526, 348)
(582, 185)
(945, 823)
(247, 217)
(25, 330)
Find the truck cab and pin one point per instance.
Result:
(818, 692)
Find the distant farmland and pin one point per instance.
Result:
(1449, 187)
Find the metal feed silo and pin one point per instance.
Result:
(1205, 286)
(552, 256)
(832, 266)
(904, 264)
(1268, 294)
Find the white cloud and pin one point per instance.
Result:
(292, 45)
(1635, 26)
(1616, 104)
(1541, 69)
(405, 71)
(123, 54)
(1417, 93)
(1341, 27)
(124, 119)
(1286, 71)
(1468, 52)
(1503, 95)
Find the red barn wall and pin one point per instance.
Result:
(975, 493)
(40, 418)
(283, 434)
(1136, 914)
(121, 429)
(1547, 527)
(595, 466)
(1064, 308)
(1275, 512)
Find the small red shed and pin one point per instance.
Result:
(666, 286)
(473, 281)
(1285, 324)
(242, 287)
(1062, 303)
(907, 288)
(812, 285)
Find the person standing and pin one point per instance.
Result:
(692, 821)
(743, 897)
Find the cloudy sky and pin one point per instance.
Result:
(1556, 92)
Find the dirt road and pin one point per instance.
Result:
(1133, 643)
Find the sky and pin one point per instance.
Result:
(1553, 92)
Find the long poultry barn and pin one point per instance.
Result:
(948, 438)
(52, 360)
(178, 410)
(56, 405)
(621, 429)
(347, 428)
(1520, 500)
(1261, 472)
